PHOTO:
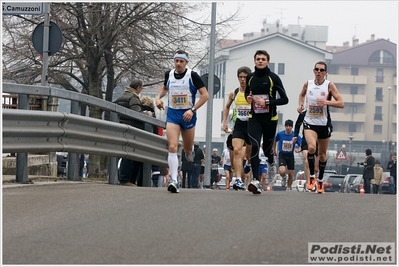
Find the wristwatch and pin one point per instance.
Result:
(193, 109)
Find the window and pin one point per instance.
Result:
(387, 57)
(352, 127)
(281, 68)
(354, 71)
(378, 113)
(380, 76)
(353, 90)
(377, 129)
(271, 67)
(375, 57)
(353, 109)
(382, 57)
(378, 94)
(332, 69)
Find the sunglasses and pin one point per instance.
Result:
(242, 77)
(321, 70)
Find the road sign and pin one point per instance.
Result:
(216, 83)
(12, 8)
(55, 38)
(341, 155)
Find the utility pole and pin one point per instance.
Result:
(211, 76)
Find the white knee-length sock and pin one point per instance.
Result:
(173, 162)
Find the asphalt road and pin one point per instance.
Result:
(93, 223)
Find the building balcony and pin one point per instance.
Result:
(344, 136)
(348, 79)
(394, 118)
(348, 117)
(348, 98)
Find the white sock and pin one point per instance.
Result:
(173, 162)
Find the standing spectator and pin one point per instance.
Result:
(163, 176)
(148, 108)
(181, 84)
(227, 167)
(318, 94)
(187, 170)
(368, 170)
(196, 165)
(378, 177)
(392, 172)
(216, 160)
(129, 169)
(202, 170)
(155, 173)
(261, 92)
(286, 145)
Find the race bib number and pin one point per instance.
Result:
(259, 108)
(286, 146)
(243, 112)
(316, 111)
(214, 166)
(179, 101)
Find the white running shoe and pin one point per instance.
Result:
(189, 157)
(173, 187)
(271, 170)
(284, 181)
(255, 187)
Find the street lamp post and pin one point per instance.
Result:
(340, 169)
(350, 149)
(389, 120)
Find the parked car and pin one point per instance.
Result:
(332, 183)
(384, 188)
(299, 181)
(355, 186)
(349, 178)
(326, 174)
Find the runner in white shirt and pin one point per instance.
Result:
(227, 167)
(263, 171)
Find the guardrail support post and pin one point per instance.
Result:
(21, 173)
(73, 158)
(147, 168)
(113, 161)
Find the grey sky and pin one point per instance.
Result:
(344, 19)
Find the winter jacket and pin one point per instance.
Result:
(368, 171)
(378, 175)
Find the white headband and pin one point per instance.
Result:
(181, 56)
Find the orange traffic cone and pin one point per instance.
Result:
(268, 188)
(361, 189)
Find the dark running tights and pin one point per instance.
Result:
(256, 130)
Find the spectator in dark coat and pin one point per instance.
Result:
(392, 172)
(368, 171)
(129, 169)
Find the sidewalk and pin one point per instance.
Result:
(9, 180)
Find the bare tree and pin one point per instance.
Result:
(107, 43)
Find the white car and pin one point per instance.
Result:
(299, 181)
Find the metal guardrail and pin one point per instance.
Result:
(30, 131)
(41, 131)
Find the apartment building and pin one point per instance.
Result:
(366, 76)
